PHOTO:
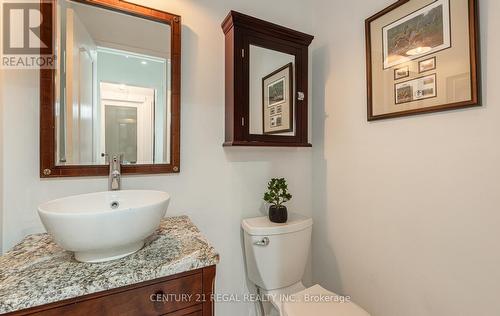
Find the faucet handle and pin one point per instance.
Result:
(118, 158)
(114, 158)
(106, 157)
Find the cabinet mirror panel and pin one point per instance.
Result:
(115, 90)
(271, 92)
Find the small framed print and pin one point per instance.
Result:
(276, 121)
(277, 100)
(419, 34)
(416, 89)
(276, 92)
(400, 73)
(427, 65)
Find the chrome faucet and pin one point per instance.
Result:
(115, 174)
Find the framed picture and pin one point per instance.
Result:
(277, 100)
(420, 33)
(427, 65)
(400, 73)
(415, 89)
(414, 35)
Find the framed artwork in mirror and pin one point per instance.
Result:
(434, 46)
(277, 100)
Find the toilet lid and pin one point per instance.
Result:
(320, 302)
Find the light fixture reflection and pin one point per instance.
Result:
(418, 51)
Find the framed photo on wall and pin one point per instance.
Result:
(434, 46)
(427, 65)
(400, 73)
(277, 100)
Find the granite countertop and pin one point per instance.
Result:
(38, 272)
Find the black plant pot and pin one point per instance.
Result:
(278, 214)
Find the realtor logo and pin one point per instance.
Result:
(27, 35)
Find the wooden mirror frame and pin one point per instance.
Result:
(48, 166)
(241, 31)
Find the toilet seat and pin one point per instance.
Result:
(318, 301)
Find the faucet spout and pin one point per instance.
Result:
(114, 181)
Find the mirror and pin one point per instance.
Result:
(113, 93)
(272, 90)
(116, 89)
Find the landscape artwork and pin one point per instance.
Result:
(276, 92)
(421, 33)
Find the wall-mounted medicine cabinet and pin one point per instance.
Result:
(266, 82)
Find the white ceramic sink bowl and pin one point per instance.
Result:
(104, 226)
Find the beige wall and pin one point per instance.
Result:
(407, 211)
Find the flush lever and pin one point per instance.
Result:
(264, 242)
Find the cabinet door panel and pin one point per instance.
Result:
(156, 299)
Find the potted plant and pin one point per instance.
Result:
(276, 195)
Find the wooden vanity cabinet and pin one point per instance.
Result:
(187, 293)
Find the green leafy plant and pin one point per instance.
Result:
(277, 193)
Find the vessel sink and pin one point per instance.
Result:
(104, 226)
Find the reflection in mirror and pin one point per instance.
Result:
(112, 87)
(272, 90)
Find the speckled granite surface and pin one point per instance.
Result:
(38, 272)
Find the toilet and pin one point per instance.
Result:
(276, 257)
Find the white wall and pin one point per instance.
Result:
(217, 187)
(406, 210)
(79, 91)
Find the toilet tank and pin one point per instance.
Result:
(276, 254)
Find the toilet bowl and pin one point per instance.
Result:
(276, 257)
